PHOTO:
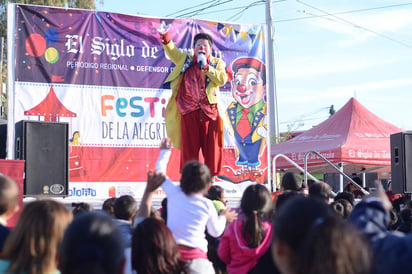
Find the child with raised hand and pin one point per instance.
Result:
(190, 213)
(248, 238)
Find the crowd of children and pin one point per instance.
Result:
(297, 231)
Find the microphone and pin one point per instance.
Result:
(201, 60)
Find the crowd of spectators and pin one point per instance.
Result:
(301, 229)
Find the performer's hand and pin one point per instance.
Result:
(165, 144)
(163, 28)
(201, 60)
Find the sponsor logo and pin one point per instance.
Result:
(56, 189)
(82, 192)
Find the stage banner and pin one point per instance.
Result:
(104, 74)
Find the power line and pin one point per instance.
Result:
(237, 8)
(201, 11)
(196, 12)
(185, 9)
(240, 13)
(237, 15)
(305, 117)
(210, 6)
(342, 12)
(223, 10)
(356, 25)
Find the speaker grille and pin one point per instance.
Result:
(44, 147)
(401, 162)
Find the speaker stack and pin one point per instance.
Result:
(401, 162)
(3, 138)
(44, 147)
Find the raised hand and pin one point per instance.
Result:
(163, 28)
(229, 215)
(165, 144)
(380, 194)
(154, 180)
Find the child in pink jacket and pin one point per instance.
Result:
(249, 237)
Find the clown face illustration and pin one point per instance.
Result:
(248, 87)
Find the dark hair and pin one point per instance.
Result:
(394, 219)
(282, 198)
(215, 193)
(319, 240)
(321, 191)
(357, 180)
(256, 204)
(334, 246)
(311, 182)
(32, 245)
(396, 204)
(405, 215)
(125, 207)
(203, 36)
(9, 194)
(154, 249)
(342, 208)
(163, 213)
(195, 177)
(408, 204)
(80, 208)
(406, 220)
(293, 219)
(346, 196)
(291, 181)
(108, 206)
(92, 245)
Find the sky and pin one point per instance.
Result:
(325, 52)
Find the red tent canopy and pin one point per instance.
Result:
(50, 108)
(353, 136)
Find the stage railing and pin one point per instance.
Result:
(306, 173)
(274, 179)
(331, 165)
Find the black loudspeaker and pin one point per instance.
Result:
(44, 146)
(401, 162)
(3, 139)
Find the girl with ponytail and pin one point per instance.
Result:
(248, 238)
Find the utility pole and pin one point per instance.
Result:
(272, 97)
(272, 112)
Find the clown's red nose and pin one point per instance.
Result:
(241, 88)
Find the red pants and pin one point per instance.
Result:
(201, 132)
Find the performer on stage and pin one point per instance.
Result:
(193, 119)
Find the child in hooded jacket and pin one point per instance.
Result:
(248, 238)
